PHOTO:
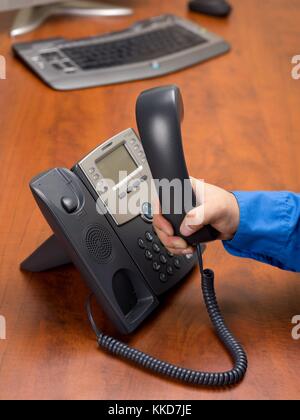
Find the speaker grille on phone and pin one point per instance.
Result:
(98, 243)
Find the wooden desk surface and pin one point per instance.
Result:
(242, 131)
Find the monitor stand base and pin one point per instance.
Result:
(31, 18)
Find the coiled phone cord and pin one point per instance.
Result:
(232, 377)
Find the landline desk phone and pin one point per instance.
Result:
(118, 253)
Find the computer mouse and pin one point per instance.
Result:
(219, 8)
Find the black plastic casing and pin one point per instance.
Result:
(108, 256)
(159, 115)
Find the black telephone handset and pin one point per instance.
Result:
(159, 113)
(118, 254)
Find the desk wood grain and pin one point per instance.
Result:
(242, 131)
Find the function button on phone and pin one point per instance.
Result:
(170, 270)
(177, 263)
(102, 190)
(141, 243)
(163, 278)
(147, 213)
(149, 255)
(129, 189)
(136, 184)
(149, 237)
(69, 204)
(163, 259)
(96, 177)
(122, 195)
(92, 171)
(144, 178)
(156, 248)
(156, 266)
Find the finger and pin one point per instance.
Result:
(172, 242)
(163, 225)
(187, 251)
(156, 207)
(194, 221)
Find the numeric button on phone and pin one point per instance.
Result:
(148, 255)
(189, 257)
(141, 243)
(163, 259)
(170, 270)
(149, 237)
(156, 248)
(156, 266)
(170, 254)
(163, 278)
(177, 263)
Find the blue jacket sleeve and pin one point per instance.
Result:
(269, 229)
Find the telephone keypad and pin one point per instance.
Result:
(149, 237)
(148, 255)
(163, 278)
(141, 243)
(163, 259)
(156, 248)
(170, 270)
(177, 263)
(156, 266)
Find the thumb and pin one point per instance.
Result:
(193, 221)
(196, 219)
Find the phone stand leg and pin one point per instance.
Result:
(49, 255)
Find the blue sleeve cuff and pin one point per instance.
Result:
(265, 227)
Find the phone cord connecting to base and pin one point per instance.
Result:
(232, 377)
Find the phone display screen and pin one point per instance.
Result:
(117, 165)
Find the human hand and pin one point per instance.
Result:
(219, 209)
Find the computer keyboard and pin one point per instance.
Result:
(135, 49)
(150, 48)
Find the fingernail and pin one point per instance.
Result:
(188, 251)
(186, 230)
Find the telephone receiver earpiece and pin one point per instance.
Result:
(159, 114)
